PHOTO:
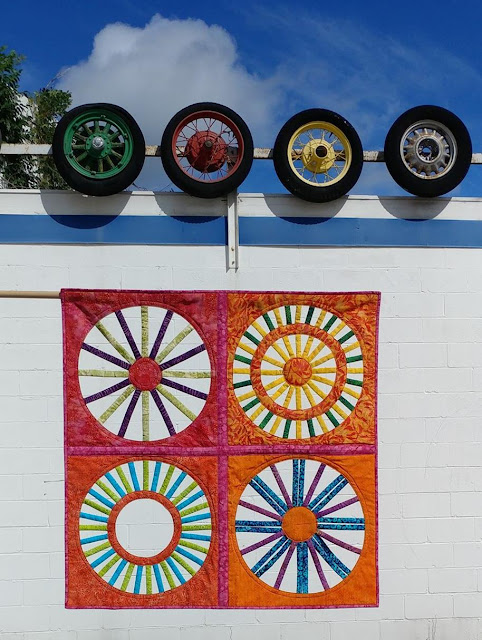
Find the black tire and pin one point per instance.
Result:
(441, 164)
(100, 186)
(308, 188)
(219, 179)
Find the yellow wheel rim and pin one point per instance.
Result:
(319, 153)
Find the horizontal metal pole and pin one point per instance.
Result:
(30, 294)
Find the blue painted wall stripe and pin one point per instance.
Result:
(263, 231)
(359, 232)
(122, 229)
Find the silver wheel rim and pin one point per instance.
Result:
(428, 149)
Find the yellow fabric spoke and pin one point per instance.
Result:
(174, 342)
(245, 347)
(323, 426)
(298, 429)
(280, 391)
(325, 370)
(280, 351)
(321, 317)
(316, 351)
(298, 345)
(322, 360)
(351, 393)
(340, 411)
(246, 396)
(259, 410)
(116, 404)
(172, 373)
(260, 329)
(243, 370)
(288, 346)
(309, 395)
(99, 373)
(279, 320)
(298, 314)
(317, 390)
(275, 383)
(355, 370)
(335, 332)
(298, 398)
(289, 395)
(269, 372)
(144, 332)
(177, 403)
(351, 347)
(324, 380)
(276, 363)
(307, 348)
(145, 415)
(117, 346)
(276, 424)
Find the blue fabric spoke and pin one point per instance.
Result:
(100, 560)
(117, 573)
(258, 526)
(269, 496)
(178, 574)
(155, 478)
(272, 556)
(93, 539)
(195, 536)
(135, 481)
(157, 573)
(188, 554)
(330, 558)
(295, 482)
(172, 490)
(90, 516)
(338, 483)
(137, 585)
(348, 524)
(203, 516)
(302, 567)
(100, 498)
(298, 499)
(188, 501)
(115, 484)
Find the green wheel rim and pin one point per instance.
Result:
(98, 144)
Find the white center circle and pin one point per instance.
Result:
(144, 527)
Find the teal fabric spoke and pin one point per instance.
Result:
(117, 573)
(328, 493)
(174, 487)
(115, 484)
(302, 567)
(330, 558)
(269, 495)
(133, 473)
(155, 478)
(273, 555)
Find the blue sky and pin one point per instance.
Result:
(367, 61)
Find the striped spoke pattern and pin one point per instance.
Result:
(285, 370)
(189, 550)
(144, 373)
(300, 526)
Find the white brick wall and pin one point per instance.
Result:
(430, 439)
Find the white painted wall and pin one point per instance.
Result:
(430, 438)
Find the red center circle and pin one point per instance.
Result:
(145, 374)
(206, 151)
(297, 371)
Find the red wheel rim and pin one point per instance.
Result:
(214, 161)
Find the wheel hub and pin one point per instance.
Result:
(428, 150)
(98, 145)
(318, 156)
(206, 151)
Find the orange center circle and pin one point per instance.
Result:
(145, 374)
(299, 524)
(297, 371)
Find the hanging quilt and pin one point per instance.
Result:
(249, 420)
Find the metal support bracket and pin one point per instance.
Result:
(233, 230)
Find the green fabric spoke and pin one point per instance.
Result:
(177, 403)
(183, 563)
(148, 579)
(127, 577)
(265, 420)
(167, 479)
(99, 373)
(286, 431)
(251, 404)
(107, 490)
(110, 564)
(168, 575)
(240, 385)
(355, 383)
(144, 332)
(145, 475)
(93, 527)
(242, 359)
(169, 373)
(252, 338)
(174, 342)
(191, 545)
(199, 507)
(117, 346)
(116, 404)
(185, 493)
(145, 415)
(268, 321)
(196, 527)
(98, 507)
(124, 480)
(355, 358)
(101, 547)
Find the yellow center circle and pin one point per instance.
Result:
(299, 524)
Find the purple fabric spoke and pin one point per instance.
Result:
(184, 389)
(261, 543)
(128, 334)
(281, 486)
(163, 411)
(254, 507)
(284, 566)
(184, 356)
(105, 356)
(161, 334)
(317, 563)
(128, 413)
(314, 484)
(346, 503)
(107, 392)
(340, 543)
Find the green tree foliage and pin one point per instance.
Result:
(28, 119)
